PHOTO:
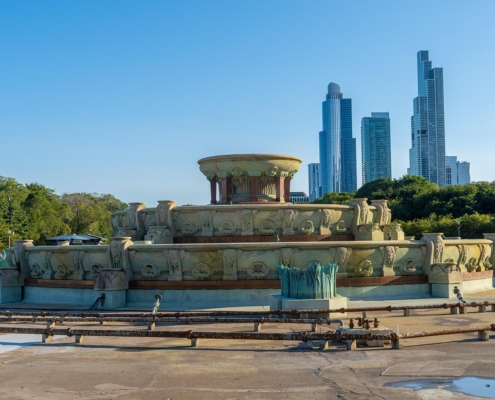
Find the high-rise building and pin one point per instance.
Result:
(456, 172)
(314, 181)
(375, 147)
(427, 154)
(337, 146)
(463, 174)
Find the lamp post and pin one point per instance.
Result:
(459, 229)
(9, 214)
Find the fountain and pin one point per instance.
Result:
(234, 251)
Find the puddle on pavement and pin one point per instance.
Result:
(468, 385)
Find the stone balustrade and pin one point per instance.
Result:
(161, 224)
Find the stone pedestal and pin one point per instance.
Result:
(369, 232)
(443, 277)
(394, 231)
(364, 331)
(10, 294)
(113, 299)
(444, 290)
(279, 302)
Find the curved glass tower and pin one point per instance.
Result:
(337, 146)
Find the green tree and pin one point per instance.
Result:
(335, 198)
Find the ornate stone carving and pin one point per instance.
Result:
(307, 227)
(341, 228)
(485, 254)
(273, 171)
(383, 213)
(229, 259)
(408, 267)
(288, 221)
(77, 263)
(174, 262)
(361, 210)
(206, 222)
(226, 228)
(95, 270)
(257, 270)
(364, 268)
(111, 279)
(132, 254)
(237, 172)
(62, 272)
(388, 253)
(254, 173)
(286, 256)
(342, 256)
(47, 267)
(267, 227)
(325, 219)
(289, 217)
(115, 253)
(472, 265)
(201, 271)
(210, 175)
(150, 272)
(188, 229)
(36, 271)
(463, 251)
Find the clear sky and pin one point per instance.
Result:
(124, 97)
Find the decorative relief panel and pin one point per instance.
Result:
(288, 223)
(77, 264)
(364, 268)
(325, 220)
(188, 229)
(229, 259)
(201, 271)
(307, 227)
(257, 270)
(226, 228)
(267, 227)
(150, 272)
(286, 256)
(174, 262)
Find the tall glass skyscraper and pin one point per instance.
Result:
(375, 147)
(427, 154)
(314, 181)
(337, 146)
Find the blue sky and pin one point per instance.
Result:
(124, 97)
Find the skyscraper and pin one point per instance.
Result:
(337, 146)
(314, 181)
(375, 147)
(456, 172)
(427, 154)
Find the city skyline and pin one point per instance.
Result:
(162, 86)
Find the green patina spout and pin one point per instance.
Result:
(314, 282)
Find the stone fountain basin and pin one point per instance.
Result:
(247, 164)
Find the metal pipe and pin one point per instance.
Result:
(318, 321)
(237, 313)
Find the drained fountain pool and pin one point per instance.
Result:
(469, 385)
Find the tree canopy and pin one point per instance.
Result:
(421, 206)
(36, 212)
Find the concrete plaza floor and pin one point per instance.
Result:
(156, 368)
